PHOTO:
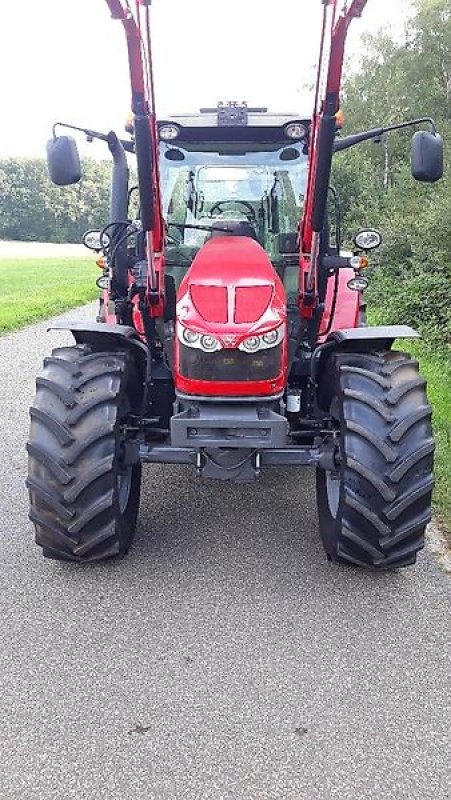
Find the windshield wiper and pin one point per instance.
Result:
(209, 228)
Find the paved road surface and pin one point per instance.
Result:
(224, 658)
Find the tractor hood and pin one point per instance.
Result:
(232, 291)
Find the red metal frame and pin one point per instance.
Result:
(143, 98)
(327, 100)
(338, 31)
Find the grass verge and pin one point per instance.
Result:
(35, 289)
(435, 366)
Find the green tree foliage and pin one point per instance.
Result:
(33, 209)
(396, 81)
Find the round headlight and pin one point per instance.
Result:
(169, 132)
(209, 343)
(270, 338)
(358, 284)
(190, 337)
(294, 130)
(103, 282)
(251, 344)
(95, 240)
(368, 239)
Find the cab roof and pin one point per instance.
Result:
(235, 122)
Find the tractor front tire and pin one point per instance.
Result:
(84, 497)
(375, 501)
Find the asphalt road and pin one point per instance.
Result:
(223, 658)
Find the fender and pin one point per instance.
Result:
(360, 339)
(385, 334)
(105, 336)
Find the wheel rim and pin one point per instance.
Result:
(333, 481)
(333, 492)
(124, 484)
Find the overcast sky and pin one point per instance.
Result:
(66, 60)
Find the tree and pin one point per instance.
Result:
(33, 209)
(395, 82)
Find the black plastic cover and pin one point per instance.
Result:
(427, 156)
(230, 365)
(63, 160)
(376, 332)
(143, 147)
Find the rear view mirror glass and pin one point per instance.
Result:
(427, 157)
(63, 160)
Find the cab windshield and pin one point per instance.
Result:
(262, 189)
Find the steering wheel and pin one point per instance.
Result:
(249, 213)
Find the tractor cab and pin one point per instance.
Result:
(233, 171)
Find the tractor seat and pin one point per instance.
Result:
(234, 228)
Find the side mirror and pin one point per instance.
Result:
(426, 156)
(63, 160)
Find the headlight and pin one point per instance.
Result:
(95, 240)
(357, 284)
(207, 343)
(251, 344)
(295, 130)
(189, 337)
(255, 343)
(270, 338)
(368, 239)
(168, 132)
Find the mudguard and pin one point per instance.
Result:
(385, 334)
(105, 336)
(360, 339)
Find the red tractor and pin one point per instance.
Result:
(231, 333)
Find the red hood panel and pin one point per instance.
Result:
(210, 302)
(251, 302)
(231, 288)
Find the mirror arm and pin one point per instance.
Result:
(126, 144)
(375, 133)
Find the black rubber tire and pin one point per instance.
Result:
(383, 482)
(83, 499)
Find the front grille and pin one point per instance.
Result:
(230, 365)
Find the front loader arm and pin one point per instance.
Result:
(137, 31)
(323, 129)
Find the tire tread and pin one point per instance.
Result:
(387, 461)
(72, 452)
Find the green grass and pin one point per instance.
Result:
(435, 366)
(35, 289)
